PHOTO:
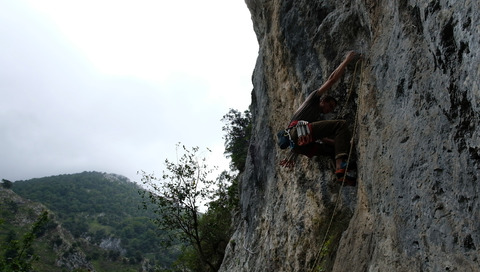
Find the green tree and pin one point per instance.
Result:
(184, 187)
(216, 223)
(6, 184)
(238, 131)
(18, 254)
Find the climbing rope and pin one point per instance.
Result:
(350, 91)
(318, 256)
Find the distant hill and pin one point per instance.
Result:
(54, 246)
(104, 209)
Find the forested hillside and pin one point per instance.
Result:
(31, 239)
(104, 209)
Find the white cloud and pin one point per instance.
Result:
(113, 85)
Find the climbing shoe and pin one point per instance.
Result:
(350, 179)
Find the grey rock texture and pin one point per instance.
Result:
(415, 110)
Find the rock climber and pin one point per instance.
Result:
(308, 135)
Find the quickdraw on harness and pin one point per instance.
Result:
(304, 133)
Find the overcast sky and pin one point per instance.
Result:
(112, 86)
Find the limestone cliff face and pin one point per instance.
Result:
(415, 110)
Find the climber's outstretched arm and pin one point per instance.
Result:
(330, 81)
(336, 74)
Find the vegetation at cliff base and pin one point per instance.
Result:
(186, 185)
(238, 130)
(178, 197)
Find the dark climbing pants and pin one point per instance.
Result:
(333, 129)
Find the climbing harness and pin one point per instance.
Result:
(284, 139)
(319, 255)
(304, 134)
